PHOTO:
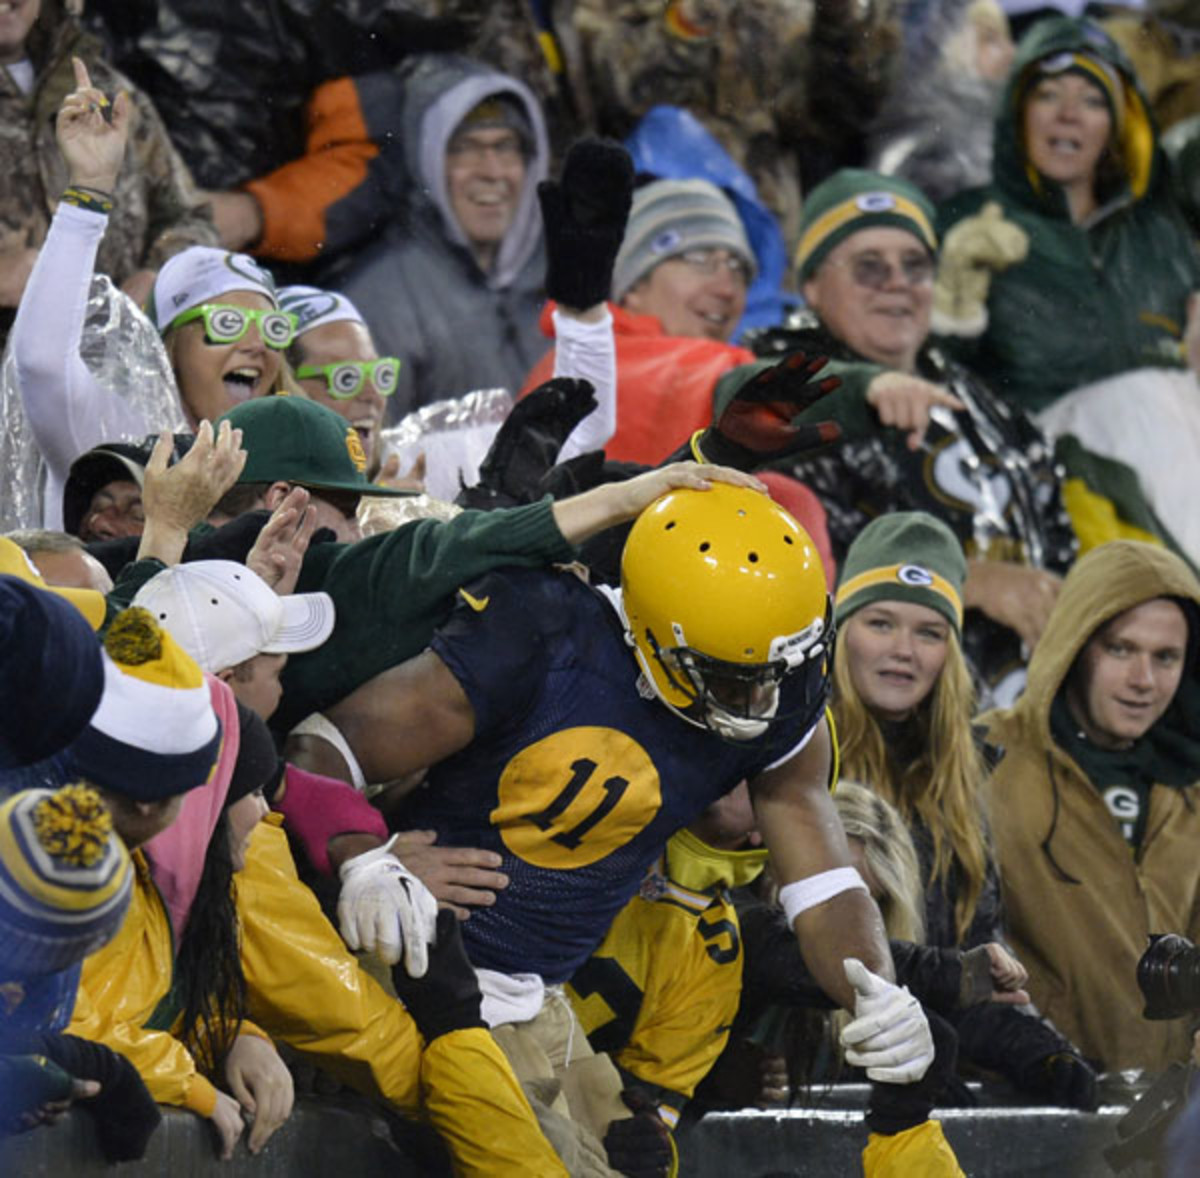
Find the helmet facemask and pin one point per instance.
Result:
(740, 701)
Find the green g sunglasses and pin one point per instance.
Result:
(225, 323)
(345, 379)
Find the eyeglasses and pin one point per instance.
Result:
(345, 379)
(870, 270)
(469, 150)
(711, 261)
(225, 323)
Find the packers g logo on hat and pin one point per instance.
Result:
(668, 241)
(914, 574)
(876, 202)
(354, 448)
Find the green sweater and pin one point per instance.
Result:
(391, 592)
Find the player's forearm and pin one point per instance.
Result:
(848, 925)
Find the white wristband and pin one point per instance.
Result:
(816, 889)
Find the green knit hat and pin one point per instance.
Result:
(904, 556)
(854, 199)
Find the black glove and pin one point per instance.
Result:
(27, 1082)
(896, 1107)
(1063, 1078)
(447, 997)
(527, 446)
(124, 1111)
(585, 214)
(639, 1146)
(752, 417)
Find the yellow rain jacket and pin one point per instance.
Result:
(307, 989)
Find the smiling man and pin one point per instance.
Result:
(454, 285)
(865, 265)
(1095, 805)
(678, 292)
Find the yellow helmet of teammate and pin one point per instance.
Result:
(724, 596)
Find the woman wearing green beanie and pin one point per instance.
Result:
(903, 702)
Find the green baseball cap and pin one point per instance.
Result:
(293, 440)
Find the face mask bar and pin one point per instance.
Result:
(739, 701)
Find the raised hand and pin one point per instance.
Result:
(92, 145)
(757, 414)
(176, 498)
(584, 214)
(278, 553)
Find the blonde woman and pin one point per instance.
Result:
(903, 702)
(884, 854)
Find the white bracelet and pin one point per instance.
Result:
(816, 889)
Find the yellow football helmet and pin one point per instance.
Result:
(724, 596)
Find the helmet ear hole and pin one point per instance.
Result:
(752, 557)
(705, 546)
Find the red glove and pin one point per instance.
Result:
(758, 415)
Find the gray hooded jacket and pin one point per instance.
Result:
(422, 293)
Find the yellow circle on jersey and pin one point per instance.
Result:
(576, 796)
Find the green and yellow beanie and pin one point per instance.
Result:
(904, 556)
(854, 199)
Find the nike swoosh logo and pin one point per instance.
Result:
(478, 604)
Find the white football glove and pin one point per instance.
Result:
(383, 906)
(890, 1034)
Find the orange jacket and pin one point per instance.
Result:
(664, 384)
(330, 197)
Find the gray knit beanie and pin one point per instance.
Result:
(669, 217)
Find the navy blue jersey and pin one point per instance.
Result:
(574, 777)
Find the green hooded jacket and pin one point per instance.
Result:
(1079, 901)
(1090, 300)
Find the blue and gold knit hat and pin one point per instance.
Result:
(155, 733)
(65, 879)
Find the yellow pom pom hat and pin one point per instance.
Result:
(65, 879)
(154, 734)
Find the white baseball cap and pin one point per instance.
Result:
(223, 613)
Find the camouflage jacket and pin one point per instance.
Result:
(157, 211)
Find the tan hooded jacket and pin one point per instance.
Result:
(1079, 903)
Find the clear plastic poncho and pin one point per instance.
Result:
(124, 353)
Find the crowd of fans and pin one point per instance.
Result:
(563, 636)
